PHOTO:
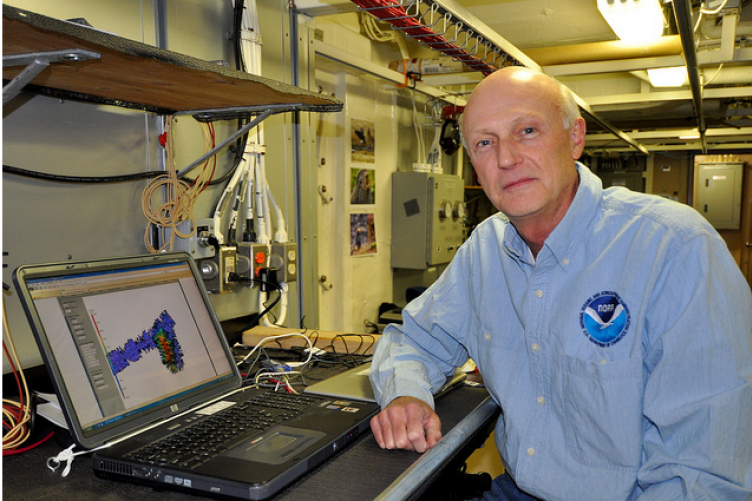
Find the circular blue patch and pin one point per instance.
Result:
(604, 318)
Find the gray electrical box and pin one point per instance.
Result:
(719, 194)
(428, 214)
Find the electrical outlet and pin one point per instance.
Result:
(284, 259)
(216, 271)
(251, 257)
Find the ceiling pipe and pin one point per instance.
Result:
(669, 45)
(683, 14)
(585, 107)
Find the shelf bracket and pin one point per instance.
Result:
(35, 63)
(227, 141)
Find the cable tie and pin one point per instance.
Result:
(255, 148)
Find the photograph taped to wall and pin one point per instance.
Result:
(362, 186)
(362, 234)
(362, 141)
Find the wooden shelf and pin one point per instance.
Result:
(136, 75)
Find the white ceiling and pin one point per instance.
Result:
(542, 23)
(570, 40)
(617, 90)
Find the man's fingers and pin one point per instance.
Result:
(407, 423)
(377, 432)
(433, 430)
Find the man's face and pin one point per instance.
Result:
(521, 152)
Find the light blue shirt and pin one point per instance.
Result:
(621, 357)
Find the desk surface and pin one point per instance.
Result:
(363, 471)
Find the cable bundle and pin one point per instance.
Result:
(17, 415)
(179, 196)
(413, 24)
(277, 371)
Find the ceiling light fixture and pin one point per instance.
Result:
(633, 21)
(674, 76)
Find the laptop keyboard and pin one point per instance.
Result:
(220, 432)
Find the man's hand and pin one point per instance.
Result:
(407, 423)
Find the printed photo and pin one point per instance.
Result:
(362, 141)
(362, 186)
(362, 235)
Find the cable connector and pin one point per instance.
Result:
(267, 276)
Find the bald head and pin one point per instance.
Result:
(519, 77)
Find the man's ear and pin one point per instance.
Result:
(577, 136)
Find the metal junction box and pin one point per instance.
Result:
(428, 215)
(719, 194)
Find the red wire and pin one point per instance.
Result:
(11, 452)
(415, 29)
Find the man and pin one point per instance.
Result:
(613, 328)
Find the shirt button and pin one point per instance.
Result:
(488, 336)
(565, 261)
(541, 400)
(535, 347)
(539, 293)
(531, 452)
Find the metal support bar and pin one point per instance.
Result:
(417, 474)
(230, 139)
(35, 63)
(683, 14)
(232, 112)
(610, 127)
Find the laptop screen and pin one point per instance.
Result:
(126, 339)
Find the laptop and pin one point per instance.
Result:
(354, 384)
(138, 360)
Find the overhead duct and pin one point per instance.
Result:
(604, 51)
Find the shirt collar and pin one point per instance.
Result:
(569, 233)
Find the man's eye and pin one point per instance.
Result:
(528, 130)
(484, 142)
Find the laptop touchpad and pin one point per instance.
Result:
(276, 445)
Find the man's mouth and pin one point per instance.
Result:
(518, 183)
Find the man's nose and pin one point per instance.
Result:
(508, 155)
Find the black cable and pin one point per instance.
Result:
(122, 178)
(79, 179)
(237, 22)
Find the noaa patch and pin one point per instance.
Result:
(604, 318)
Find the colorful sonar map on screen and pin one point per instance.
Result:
(160, 337)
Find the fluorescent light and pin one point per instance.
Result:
(633, 21)
(674, 76)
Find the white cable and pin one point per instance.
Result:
(718, 9)
(251, 42)
(262, 235)
(228, 191)
(697, 24)
(67, 456)
(418, 131)
(281, 234)
(238, 199)
(249, 196)
(283, 303)
(281, 336)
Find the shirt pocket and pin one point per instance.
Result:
(602, 407)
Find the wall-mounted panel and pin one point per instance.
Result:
(719, 194)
